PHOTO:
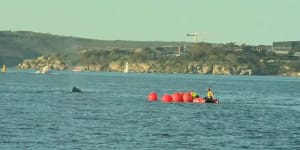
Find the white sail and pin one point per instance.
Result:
(126, 68)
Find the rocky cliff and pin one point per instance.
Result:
(150, 67)
(40, 62)
(191, 68)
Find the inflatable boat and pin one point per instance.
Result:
(205, 100)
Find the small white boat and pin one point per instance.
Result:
(78, 69)
(44, 70)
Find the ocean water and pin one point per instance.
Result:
(40, 112)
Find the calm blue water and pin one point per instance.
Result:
(39, 112)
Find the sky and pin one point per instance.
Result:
(251, 22)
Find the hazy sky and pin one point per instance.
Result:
(220, 21)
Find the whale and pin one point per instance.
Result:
(76, 90)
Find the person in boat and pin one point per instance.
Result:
(194, 95)
(210, 95)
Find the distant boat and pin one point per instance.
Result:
(44, 70)
(126, 68)
(3, 68)
(78, 69)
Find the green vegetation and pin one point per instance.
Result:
(231, 55)
(20, 45)
(17, 46)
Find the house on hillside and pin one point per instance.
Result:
(171, 50)
(284, 47)
(297, 54)
(261, 48)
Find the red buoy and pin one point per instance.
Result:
(152, 97)
(187, 97)
(177, 97)
(166, 98)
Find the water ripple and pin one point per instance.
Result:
(41, 112)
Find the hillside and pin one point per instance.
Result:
(22, 49)
(19, 45)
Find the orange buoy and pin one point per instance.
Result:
(187, 97)
(181, 94)
(177, 97)
(152, 97)
(166, 98)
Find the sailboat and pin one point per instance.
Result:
(126, 68)
(3, 68)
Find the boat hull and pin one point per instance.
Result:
(205, 100)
